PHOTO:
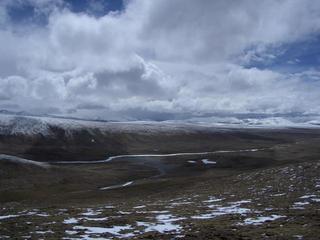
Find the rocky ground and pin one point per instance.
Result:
(274, 203)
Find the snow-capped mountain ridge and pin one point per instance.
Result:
(19, 124)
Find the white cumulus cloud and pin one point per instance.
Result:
(157, 59)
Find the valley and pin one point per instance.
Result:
(158, 181)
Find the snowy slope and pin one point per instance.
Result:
(31, 125)
(13, 125)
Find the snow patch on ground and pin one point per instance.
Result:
(8, 216)
(117, 186)
(218, 210)
(95, 219)
(44, 232)
(115, 230)
(213, 199)
(308, 196)
(139, 207)
(192, 161)
(91, 212)
(34, 212)
(206, 161)
(315, 199)
(164, 223)
(278, 194)
(71, 221)
(180, 203)
(301, 203)
(261, 220)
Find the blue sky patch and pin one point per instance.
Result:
(290, 57)
(28, 13)
(95, 7)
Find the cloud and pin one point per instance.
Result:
(216, 30)
(157, 59)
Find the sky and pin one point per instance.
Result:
(160, 59)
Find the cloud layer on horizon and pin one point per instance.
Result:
(158, 59)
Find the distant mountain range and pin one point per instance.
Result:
(219, 119)
(53, 138)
